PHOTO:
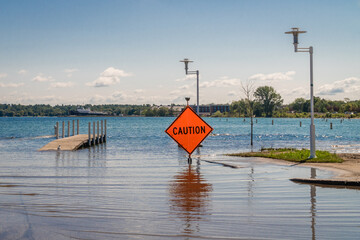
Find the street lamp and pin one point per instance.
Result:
(187, 61)
(187, 101)
(295, 32)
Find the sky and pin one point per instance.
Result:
(128, 51)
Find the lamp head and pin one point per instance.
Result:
(186, 61)
(295, 32)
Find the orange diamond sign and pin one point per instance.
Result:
(189, 130)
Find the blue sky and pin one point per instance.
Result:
(99, 52)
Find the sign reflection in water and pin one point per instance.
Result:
(190, 198)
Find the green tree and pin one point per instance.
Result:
(268, 98)
(237, 108)
(162, 112)
(217, 114)
(298, 104)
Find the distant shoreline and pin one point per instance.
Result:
(130, 116)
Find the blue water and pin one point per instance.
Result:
(139, 186)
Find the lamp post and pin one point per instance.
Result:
(187, 101)
(187, 61)
(295, 32)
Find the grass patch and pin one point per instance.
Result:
(293, 155)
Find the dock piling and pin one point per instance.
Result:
(105, 132)
(77, 133)
(68, 132)
(89, 134)
(57, 130)
(102, 132)
(94, 133)
(63, 129)
(97, 136)
(73, 132)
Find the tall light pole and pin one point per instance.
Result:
(295, 32)
(187, 61)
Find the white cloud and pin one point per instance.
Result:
(180, 98)
(11, 85)
(115, 97)
(22, 72)
(222, 82)
(140, 99)
(109, 77)
(186, 78)
(62, 84)
(41, 78)
(50, 99)
(347, 85)
(184, 87)
(231, 94)
(139, 91)
(290, 95)
(273, 77)
(3, 75)
(70, 71)
(175, 92)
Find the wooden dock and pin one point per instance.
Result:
(68, 144)
(72, 143)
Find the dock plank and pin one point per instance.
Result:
(66, 144)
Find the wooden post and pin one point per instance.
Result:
(68, 133)
(272, 122)
(93, 133)
(300, 123)
(331, 125)
(89, 133)
(63, 129)
(102, 132)
(77, 133)
(97, 138)
(57, 130)
(73, 128)
(105, 136)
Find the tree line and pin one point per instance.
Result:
(263, 101)
(41, 110)
(266, 102)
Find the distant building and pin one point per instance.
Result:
(210, 109)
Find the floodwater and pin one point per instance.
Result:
(139, 186)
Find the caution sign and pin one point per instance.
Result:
(189, 130)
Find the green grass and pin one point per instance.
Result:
(293, 155)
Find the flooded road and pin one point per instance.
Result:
(139, 186)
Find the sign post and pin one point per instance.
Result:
(189, 130)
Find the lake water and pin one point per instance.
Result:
(139, 186)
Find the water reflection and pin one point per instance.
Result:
(89, 163)
(313, 204)
(190, 198)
